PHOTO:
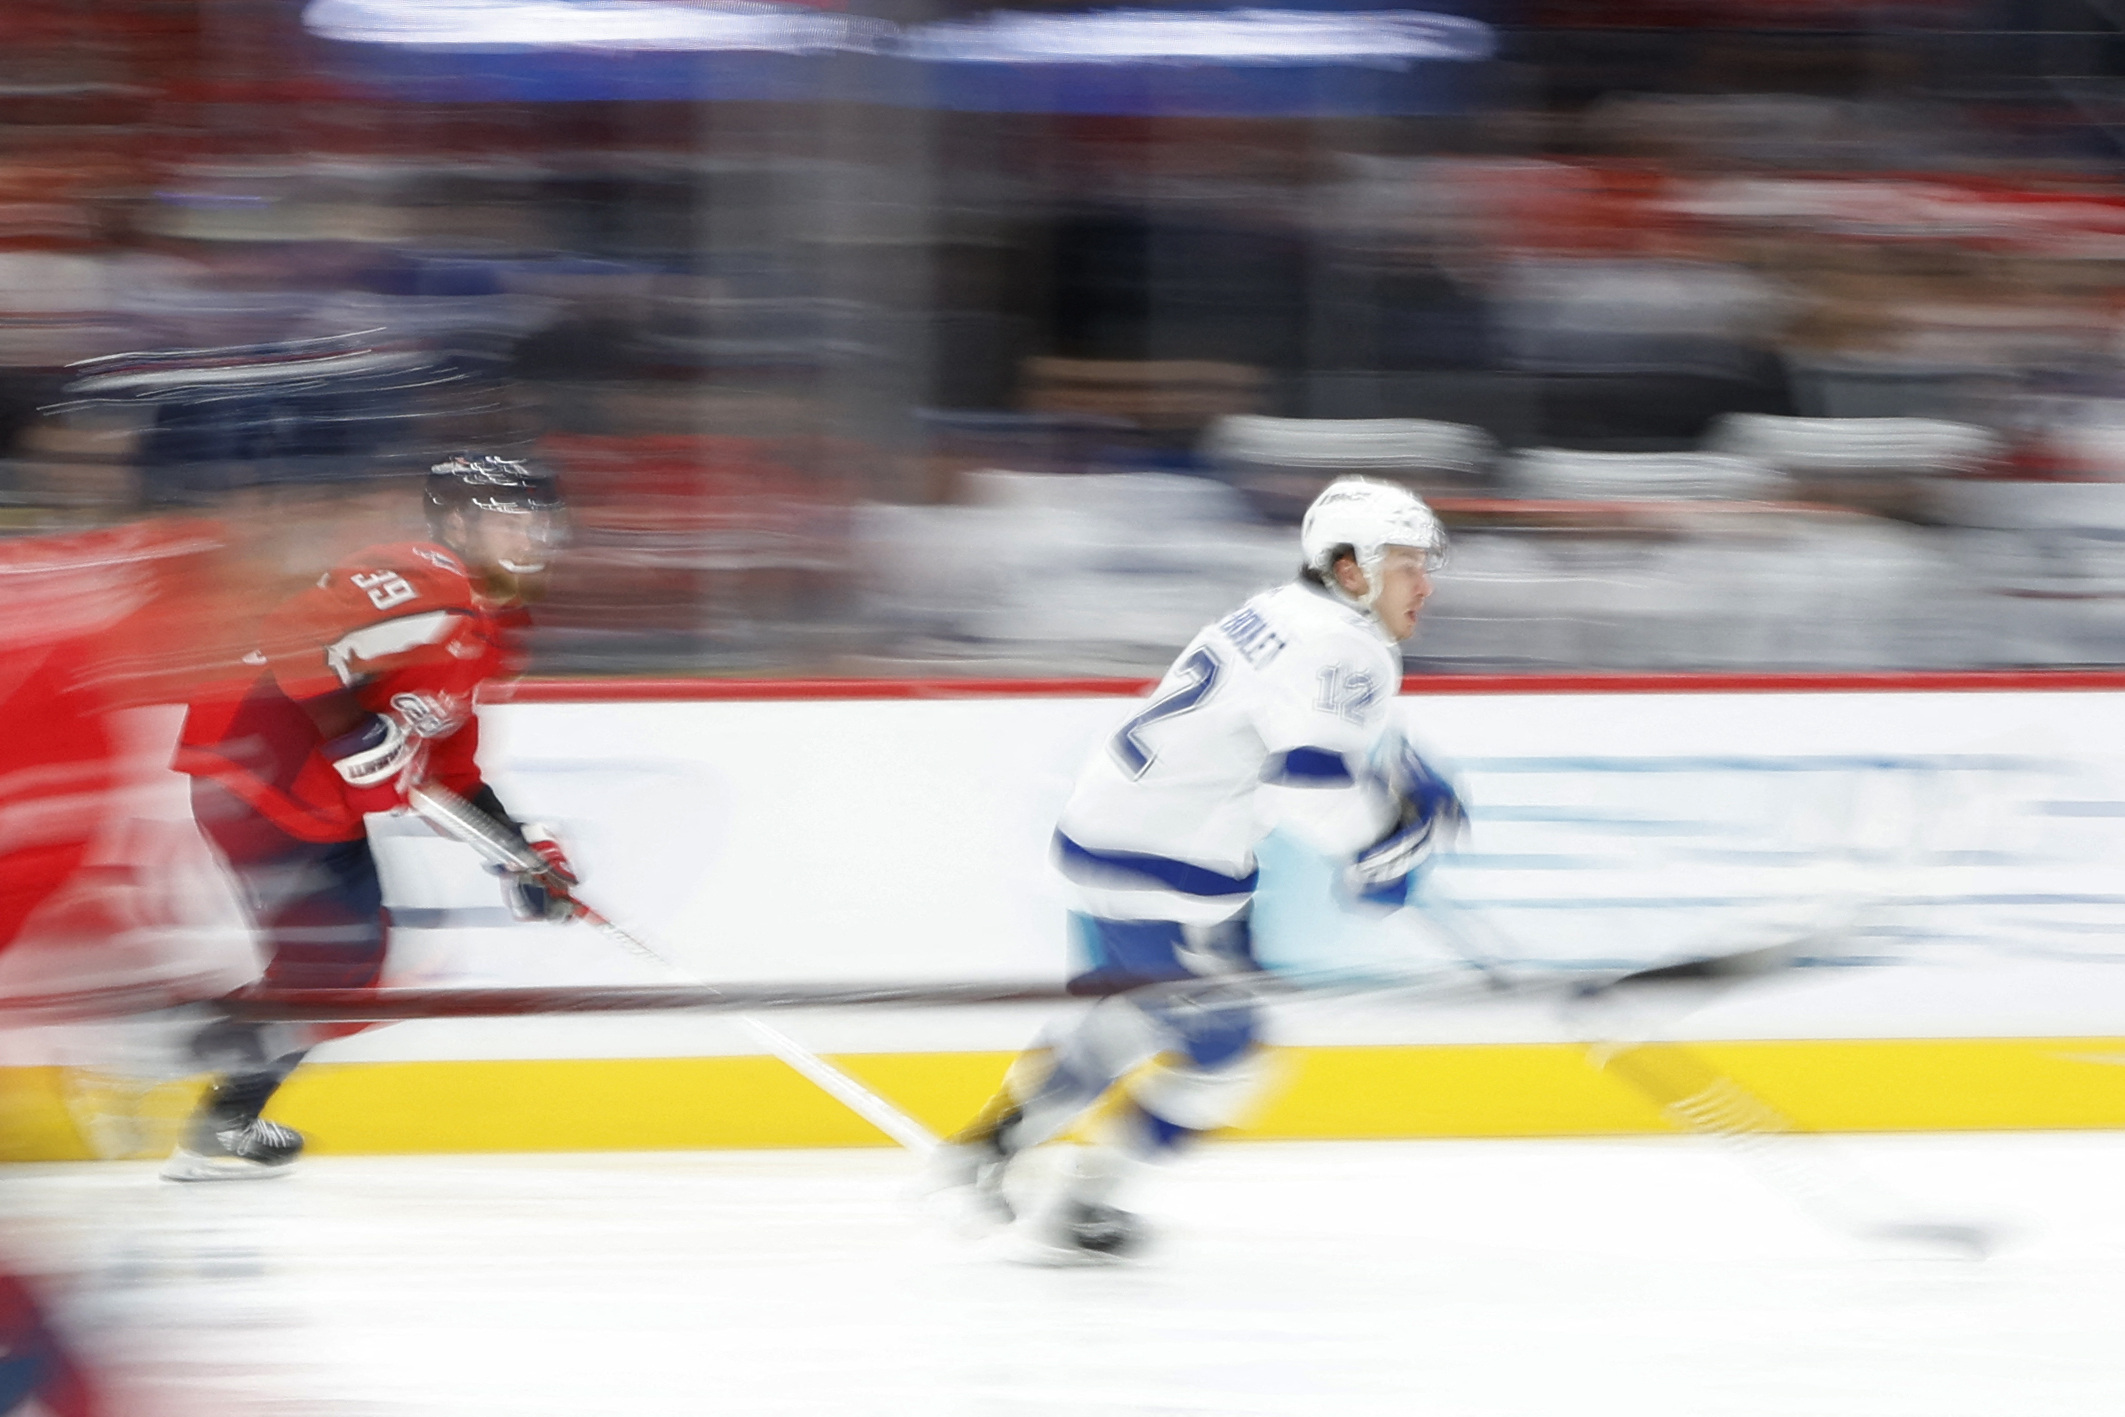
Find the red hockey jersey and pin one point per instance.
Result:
(91, 623)
(402, 628)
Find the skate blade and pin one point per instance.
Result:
(186, 1165)
(967, 1212)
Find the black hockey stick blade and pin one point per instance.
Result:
(1708, 969)
(1960, 1239)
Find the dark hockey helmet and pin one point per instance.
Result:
(488, 483)
(503, 516)
(470, 483)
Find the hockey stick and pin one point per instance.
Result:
(105, 1003)
(389, 1005)
(461, 821)
(1697, 1096)
(1425, 986)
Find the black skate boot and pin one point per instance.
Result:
(1101, 1231)
(228, 1141)
(1079, 1224)
(1075, 1231)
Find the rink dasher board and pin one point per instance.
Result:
(1319, 1093)
(831, 840)
(1965, 843)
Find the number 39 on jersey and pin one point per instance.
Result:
(386, 588)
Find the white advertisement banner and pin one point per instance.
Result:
(1948, 862)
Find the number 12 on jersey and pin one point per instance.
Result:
(1201, 671)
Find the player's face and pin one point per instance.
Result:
(1405, 584)
(509, 550)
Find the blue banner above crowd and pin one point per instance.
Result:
(1237, 62)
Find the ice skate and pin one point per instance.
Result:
(1076, 1232)
(218, 1146)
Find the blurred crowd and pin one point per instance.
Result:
(1724, 334)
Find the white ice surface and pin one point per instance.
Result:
(1329, 1280)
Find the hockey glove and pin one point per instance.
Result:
(378, 761)
(542, 895)
(1430, 816)
(1416, 782)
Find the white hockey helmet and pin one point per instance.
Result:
(1368, 517)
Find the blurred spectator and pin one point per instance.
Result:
(747, 315)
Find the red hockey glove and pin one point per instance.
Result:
(542, 895)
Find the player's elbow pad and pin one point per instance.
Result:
(373, 753)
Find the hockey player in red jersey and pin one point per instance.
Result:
(84, 621)
(365, 688)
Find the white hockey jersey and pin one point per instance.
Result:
(1272, 716)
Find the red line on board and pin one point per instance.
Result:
(648, 690)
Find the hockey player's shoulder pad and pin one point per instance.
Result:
(1348, 673)
(1333, 650)
(389, 579)
(1253, 633)
(368, 614)
(1321, 704)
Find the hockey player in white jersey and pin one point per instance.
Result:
(1280, 714)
